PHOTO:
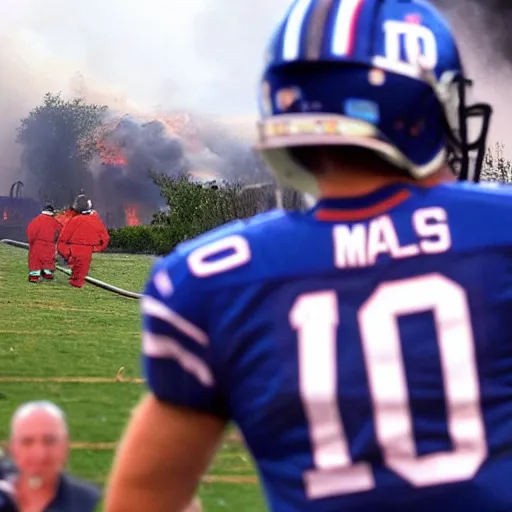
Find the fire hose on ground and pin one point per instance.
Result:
(89, 279)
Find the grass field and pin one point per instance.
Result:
(66, 345)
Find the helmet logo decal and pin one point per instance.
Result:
(415, 18)
(362, 109)
(288, 97)
(376, 77)
(416, 42)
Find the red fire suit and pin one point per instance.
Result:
(80, 237)
(42, 233)
(65, 216)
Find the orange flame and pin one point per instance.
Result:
(6, 215)
(111, 155)
(183, 127)
(179, 125)
(131, 216)
(65, 216)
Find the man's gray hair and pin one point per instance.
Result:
(28, 408)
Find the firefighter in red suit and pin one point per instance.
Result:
(65, 216)
(82, 235)
(42, 233)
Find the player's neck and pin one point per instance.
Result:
(353, 183)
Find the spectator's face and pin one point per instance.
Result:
(39, 445)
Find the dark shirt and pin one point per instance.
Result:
(74, 495)
(7, 502)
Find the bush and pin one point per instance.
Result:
(158, 240)
(496, 166)
(193, 209)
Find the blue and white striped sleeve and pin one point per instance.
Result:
(176, 350)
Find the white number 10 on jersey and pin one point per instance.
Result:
(315, 318)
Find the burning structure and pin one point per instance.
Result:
(16, 212)
(130, 147)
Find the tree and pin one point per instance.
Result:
(193, 208)
(59, 139)
(496, 166)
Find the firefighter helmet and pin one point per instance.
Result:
(49, 209)
(82, 204)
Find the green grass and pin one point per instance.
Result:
(51, 330)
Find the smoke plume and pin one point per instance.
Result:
(150, 58)
(202, 57)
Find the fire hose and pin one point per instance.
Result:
(89, 279)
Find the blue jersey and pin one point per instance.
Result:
(363, 347)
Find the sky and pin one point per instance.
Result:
(199, 54)
(146, 56)
(155, 55)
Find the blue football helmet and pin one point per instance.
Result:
(385, 75)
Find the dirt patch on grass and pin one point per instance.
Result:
(209, 479)
(35, 332)
(241, 469)
(47, 304)
(78, 445)
(234, 437)
(83, 445)
(60, 306)
(80, 380)
(230, 479)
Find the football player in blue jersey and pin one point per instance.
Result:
(363, 347)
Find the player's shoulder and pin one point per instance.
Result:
(249, 228)
(227, 249)
(480, 214)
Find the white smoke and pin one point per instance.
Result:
(200, 54)
(152, 56)
(148, 57)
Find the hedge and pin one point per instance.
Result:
(156, 240)
(194, 209)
